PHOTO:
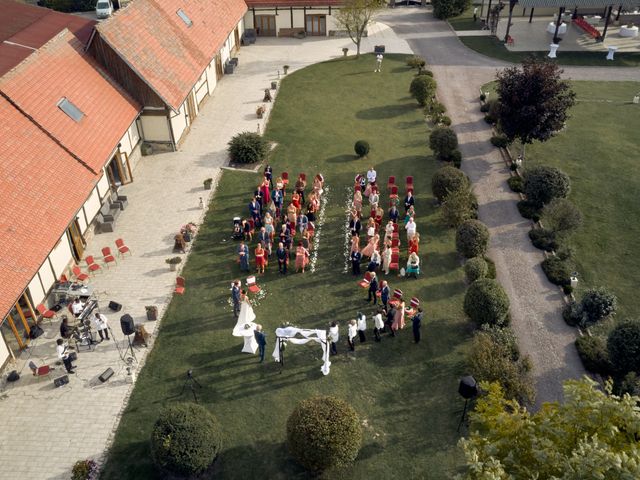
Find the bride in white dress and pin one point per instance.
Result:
(245, 327)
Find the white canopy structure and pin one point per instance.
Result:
(301, 336)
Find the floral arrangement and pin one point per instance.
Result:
(318, 233)
(347, 232)
(84, 470)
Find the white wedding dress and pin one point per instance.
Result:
(245, 327)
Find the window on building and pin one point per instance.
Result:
(184, 17)
(70, 109)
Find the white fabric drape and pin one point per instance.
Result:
(245, 328)
(290, 335)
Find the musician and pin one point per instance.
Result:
(77, 307)
(66, 330)
(102, 326)
(63, 354)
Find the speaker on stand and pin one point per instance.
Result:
(468, 389)
(128, 328)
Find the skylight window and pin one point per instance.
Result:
(70, 109)
(184, 17)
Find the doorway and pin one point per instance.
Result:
(76, 240)
(316, 25)
(191, 109)
(266, 25)
(218, 67)
(15, 326)
(236, 36)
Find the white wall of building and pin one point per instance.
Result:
(46, 275)
(155, 128)
(283, 18)
(60, 256)
(91, 206)
(35, 289)
(4, 352)
(179, 122)
(103, 186)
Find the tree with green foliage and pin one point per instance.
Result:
(355, 16)
(593, 435)
(443, 141)
(422, 88)
(444, 9)
(623, 345)
(534, 101)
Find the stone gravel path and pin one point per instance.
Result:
(535, 303)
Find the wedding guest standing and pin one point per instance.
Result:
(398, 319)
(334, 336)
(261, 338)
(261, 260)
(373, 289)
(411, 228)
(394, 214)
(384, 293)
(378, 324)
(351, 335)
(243, 257)
(386, 260)
(235, 297)
(283, 258)
(356, 256)
(371, 175)
(374, 261)
(302, 257)
(362, 326)
(417, 323)
(268, 174)
(300, 186)
(409, 201)
(391, 315)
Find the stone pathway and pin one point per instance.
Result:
(45, 430)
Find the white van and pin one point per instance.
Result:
(104, 8)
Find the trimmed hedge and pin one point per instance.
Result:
(361, 148)
(422, 88)
(447, 179)
(416, 61)
(443, 141)
(623, 346)
(486, 302)
(444, 9)
(247, 147)
(516, 184)
(475, 269)
(499, 141)
(528, 210)
(594, 355)
(543, 239)
(472, 238)
(186, 439)
(324, 432)
(557, 271)
(544, 183)
(596, 304)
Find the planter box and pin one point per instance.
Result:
(152, 312)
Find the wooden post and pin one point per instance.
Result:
(31, 310)
(488, 11)
(291, 13)
(555, 34)
(531, 15)
(606, 23)
(512, 4)
(618, 14)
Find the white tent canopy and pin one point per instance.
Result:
(300, 336)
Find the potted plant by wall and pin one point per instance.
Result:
(260, 111)
(152, 312)
(344, 51)
(207, 183)
(173, 263)
(285, 68)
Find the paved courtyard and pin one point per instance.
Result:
(47, 429)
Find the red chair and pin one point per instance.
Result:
(364, 283)
(91, 264)
(391, 182)
(252, 285)
(395, 246)
(63, 278)
(285, 178)
(107, 256)
(394, 192)
(122, 248)
(180, 288)
(409, 183)
(80, 276)
(396, 233)
(303, 177)
(46, 313)
(42, 371)
(395, 261)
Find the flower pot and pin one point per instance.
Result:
(173, 267)
(274, 85)
(260, 115)
(207, 185)
(152, 312)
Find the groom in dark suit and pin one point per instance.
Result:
(261, 338)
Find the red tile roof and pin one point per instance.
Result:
(42, 188)
(294, 3)
(23, 26)
(162, 49)
(61, 69)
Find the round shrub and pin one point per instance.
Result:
(484, 108)
(459, 206)
(562, 216)
(444, 9)
(429, 73)
(499, 141)
(543, 239)
(623, 346)
(491, 273)
(324, 432)
(596, 304)
(447, 179)
(361, 148)
(594, 355)
(446, 121)
(456, 158)
(476, 268)
(486, 302)
(186, 439)
(516, 184)
(247, 147)
(443, 141)
(416, 62)
(528, 210)
(472, 238)
(422, 88)
(557, 271)
(543, 183)
(483, 97)
(490, 119)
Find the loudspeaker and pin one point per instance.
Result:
(106, 375)
(468, 387)
(126, 323)
(115, 306)
(60, 381)
(35, 331)
(14, 376)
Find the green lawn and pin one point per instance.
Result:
(494, 48)
(464, 21)
(406, 393)
(599, 150)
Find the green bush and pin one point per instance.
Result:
(472, 238)
(476, 268)
(528, 210)
(437, 108)
(324, 432)
(490, 119)
(499, 141)
(543, 183)
(429, 73)
(484, 108)
(623, 346)
(630, 385)
(562, 216)
(567, 289)
(69, 5)
(444, 9)
(84, 470)
(494, 357)
(443, 141)
(361, 148)
(456, 158)
(447, 179)
(543, 239)
(571, 314)
(491, 266)
(516, 184)
(594, 355)
(597, 304)
(446, 121)
(494, 108)
(422, 88)
(459, 206)
(486, 302)
(247, 147)
(557, 271)
(416, 62)
(186, 439)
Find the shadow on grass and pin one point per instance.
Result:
(384, 111)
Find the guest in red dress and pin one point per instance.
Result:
(261, 260)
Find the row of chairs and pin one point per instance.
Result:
(107, 257)
(391, 185)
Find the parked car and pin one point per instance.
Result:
(104, 8)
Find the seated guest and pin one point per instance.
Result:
(77, 307)
(409, 201)
(66, 330)
(413, 265)
(394, 214)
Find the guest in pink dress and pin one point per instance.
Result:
(398, 320)
(372, 246)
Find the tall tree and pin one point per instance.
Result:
(534, 101)
(355, 16)
(593, 435)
